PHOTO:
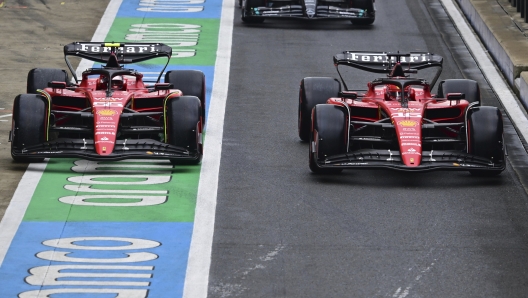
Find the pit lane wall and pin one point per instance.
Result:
(504, 41)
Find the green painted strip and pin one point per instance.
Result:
(179, 205)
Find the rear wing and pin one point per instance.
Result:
(383, 62)
(124, 53)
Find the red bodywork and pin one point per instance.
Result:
(408, 120)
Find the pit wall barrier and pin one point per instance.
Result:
(506, 43)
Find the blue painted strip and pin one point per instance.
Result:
(168, 271)
(209, 9)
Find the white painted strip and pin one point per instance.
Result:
(197, 275)
(27, 185)
(491, 73)
(17, 207)
(8, 115)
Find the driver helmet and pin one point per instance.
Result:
(117, 82)
(393, 92)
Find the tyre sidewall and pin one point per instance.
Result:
(314, 91)
(30, 114)
(184, 123)
(190, 83)
(485, 133)
(470, 88)
(38, 78)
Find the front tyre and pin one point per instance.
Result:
(313, 91)
(484, 137)
(184, 126)
(329, 136)
(29, 124)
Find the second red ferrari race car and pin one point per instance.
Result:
(397, 123)
(110, 113)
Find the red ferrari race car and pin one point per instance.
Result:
(397, 123)
(359, 12)
(110, 113)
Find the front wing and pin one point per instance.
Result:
(431, 160)
(297, 12)
(129, 149)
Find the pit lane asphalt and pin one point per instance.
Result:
(283, 232)
(33, 35)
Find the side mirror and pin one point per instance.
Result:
(162, 86)
(348, 94)
(57, 85)
(455, 96)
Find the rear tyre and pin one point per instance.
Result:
(469, 87)
(29, 124)
(314, 91)
(189, 82)
(38, 78)
(328, 137)
(184, 126)
(367, 5)
(484, 137)
(246, 15)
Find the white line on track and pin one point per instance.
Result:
(26, 187)
(3, 116)
(488, 68)
(197, 275)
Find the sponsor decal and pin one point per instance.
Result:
(407, 123)
(127, 49)
(466, 165)
(104, 122)
(354, 164)
(105, 126)
(405, 110)
(411, 150)
(409, 137)
(413, 153)
(408, 129)
(411, 159)
(105, 133)
(406, 115)
(106, 113)
(411, 144)
(49, 152)
(107, 118)
(160, 153)
(105, 142)
(382, 58)
(108, 104)
(107, 98)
